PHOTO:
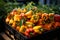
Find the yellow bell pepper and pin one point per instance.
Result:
(29, 14)
(19, 10)
(34, 18)
(11, 21)
(16, 18)
(24, 10)
(29, 24)
(22, 29)
(38, 29)
(51, 17)
(14, 24)
(51, 14)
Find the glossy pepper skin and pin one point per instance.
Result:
(38, 29)
(22, 29)
(29, 32)
(34, 18)
(57, 18)
(29, 24)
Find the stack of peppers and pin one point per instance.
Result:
(30, 23)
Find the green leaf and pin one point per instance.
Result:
(30, 5)
(22, 21)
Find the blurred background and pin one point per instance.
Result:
(48, 2)
(8, 5)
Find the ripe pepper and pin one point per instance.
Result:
(7, 20)
(24, 10)
(51, 16)
(56, 24)
(48, 26)
(19, 10)
(45, 16)
(29, 14)
(30, 32)
(17, 17)
(38, 29)
(57, 18)
(29, 24)
(11, 21)
(34, 18)
(18, 28)
(14, 12)
(14, 24)
(22, 29)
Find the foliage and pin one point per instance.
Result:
(9, 6)
(56, 9)
(2, 8)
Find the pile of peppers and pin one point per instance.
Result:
(30, 23)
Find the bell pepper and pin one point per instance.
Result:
(34, 18)
(16, 17)
(51, 16)
(22, 15)
(56, 24)
(41, 21)
(29, 24)
(14, 24)
(45, 16)
(19, 10)
(18, 28)
(38, 29)
(29, 14)
(30, 32)
(11, 21)
(7, 20)
(57, 18)
(14, 12)
(48, 26)
(24, 10)
(22, 29)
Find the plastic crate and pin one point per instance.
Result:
(44, 36)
